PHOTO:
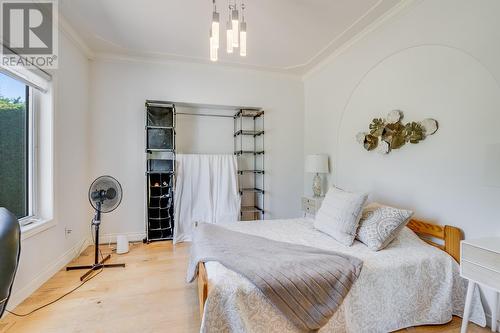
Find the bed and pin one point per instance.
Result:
(414, 281)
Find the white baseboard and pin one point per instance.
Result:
(131, 236)
(20, 295)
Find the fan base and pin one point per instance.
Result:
(94, 267)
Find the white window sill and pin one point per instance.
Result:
(36, 227)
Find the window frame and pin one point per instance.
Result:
(31, 167)
(29, 155)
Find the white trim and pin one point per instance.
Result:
(36, 79)
(20, 295)
(324, 51)
(41, 212)
(43, 104)
(380, 21)
(151, 58)
(131, 236)
(30, 229)
(32, 154)
(66, 28)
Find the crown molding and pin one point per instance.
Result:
(394, 12)
(325, 50)
(70, 32)
(162, 58)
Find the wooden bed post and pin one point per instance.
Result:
(450, 235)
(202, 287)
(452, 238)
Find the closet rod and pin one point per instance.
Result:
(205, 115)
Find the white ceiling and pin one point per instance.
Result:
(283, 35)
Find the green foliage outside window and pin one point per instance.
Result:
(13, 155)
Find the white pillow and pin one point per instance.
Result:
(339, 214)
(380, 224)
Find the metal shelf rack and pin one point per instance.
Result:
(249, 148)
(160, 170)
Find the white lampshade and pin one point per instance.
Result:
(317, 163)
(492, 165)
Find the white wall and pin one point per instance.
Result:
(119, 90)
(43, 254)
(437, 59)
(204, 135)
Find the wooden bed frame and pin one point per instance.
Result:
(450, 237)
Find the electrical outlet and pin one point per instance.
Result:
(67, 231)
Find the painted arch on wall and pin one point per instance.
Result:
(428, 81)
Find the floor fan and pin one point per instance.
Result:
(105, 194)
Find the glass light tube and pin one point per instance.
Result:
(235, 26)
(215, 29)
(229, 37)
(213, 50)
(243, 39)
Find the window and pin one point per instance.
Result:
(16, 147)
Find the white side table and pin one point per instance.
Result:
(480, 264)
(310, 205)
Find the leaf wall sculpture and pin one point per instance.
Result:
(390, 133)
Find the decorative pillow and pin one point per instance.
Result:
(380, 224)
(339, 214)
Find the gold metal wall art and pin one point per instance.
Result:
(386, 134)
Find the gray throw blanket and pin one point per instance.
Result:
(306, 284)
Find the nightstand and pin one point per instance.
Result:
(480, 264)
(310, 205)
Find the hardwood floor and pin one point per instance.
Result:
(149, 295)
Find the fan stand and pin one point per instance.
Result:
(96, 222)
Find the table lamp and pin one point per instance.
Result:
(317, 163)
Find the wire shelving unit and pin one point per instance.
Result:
(249, 148)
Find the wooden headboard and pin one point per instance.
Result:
(451, 236)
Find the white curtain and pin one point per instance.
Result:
(206, 191)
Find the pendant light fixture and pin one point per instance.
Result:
(235, 20)
(215, 26)
(236, 30)
(229, 37)
(213, 49)
(214, 34)
(243, 33)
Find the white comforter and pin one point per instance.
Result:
(407, 284)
